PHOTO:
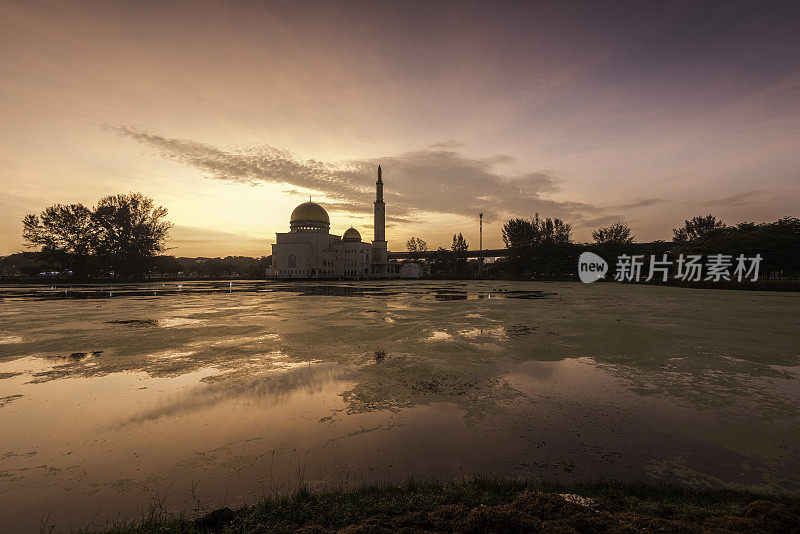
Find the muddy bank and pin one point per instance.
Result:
(538, 512)
(532, 512)
(499, 505)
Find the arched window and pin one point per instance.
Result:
(292, 260)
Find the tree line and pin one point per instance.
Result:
(121, 237)
(543, 248)
(125, 236)
(446, 263)
(118, 237)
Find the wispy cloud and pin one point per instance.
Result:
(436, 179)
(746, 198)
(642, 203)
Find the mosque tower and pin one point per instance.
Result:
(379, 248)
(380, 210)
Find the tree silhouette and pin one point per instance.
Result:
(442, 262)
(523, 233)
(122, 234)
(618, 233)
(66, 235)
(459, 243)
(699, 227)
(458, 248)
(552, 231)
(167, 265)
(518, 234)
(416, 244)
(130, 231)
(537, 246)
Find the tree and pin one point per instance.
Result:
(416, 244)
(123, 233)
(166, 265)
(778, 243)
(258, 270)
(552, 231)
(130, 231)
(522, 233)
(537, 246)
(442, 262)
(459, 248)
(699, 227)
(518, 234)
(459, 244)
(520, 238)
(65, 234)
(618, 233)
(216, 267)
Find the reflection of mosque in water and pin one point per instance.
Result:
(309, 250)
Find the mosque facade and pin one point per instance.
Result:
(309, 250)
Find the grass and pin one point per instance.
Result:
(339, 508)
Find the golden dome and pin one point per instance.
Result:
(310, 212)
(351, 234)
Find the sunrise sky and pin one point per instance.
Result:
(231, 113)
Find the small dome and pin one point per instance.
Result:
(310, 212)
(351, 234)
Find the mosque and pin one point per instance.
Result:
(309, 250)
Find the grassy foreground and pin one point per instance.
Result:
(497, 506)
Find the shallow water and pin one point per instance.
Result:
(115, 398)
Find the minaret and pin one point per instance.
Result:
(380, 210)
(379, 248)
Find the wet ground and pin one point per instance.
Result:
(117, 398)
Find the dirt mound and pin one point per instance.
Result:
(537, 512)
(773, 517)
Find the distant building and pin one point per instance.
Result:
(411, 269)
(309, 250)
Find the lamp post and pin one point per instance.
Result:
(480, 246)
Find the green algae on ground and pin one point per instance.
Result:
(407, 381)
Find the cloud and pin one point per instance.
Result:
(602, 220)
(643, 203)
(745, 198)
(434, 180)
(451, 144)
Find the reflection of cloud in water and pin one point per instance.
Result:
(474, 333)
(268, 388)
(536, 370)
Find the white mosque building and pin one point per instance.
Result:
(309, 250)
